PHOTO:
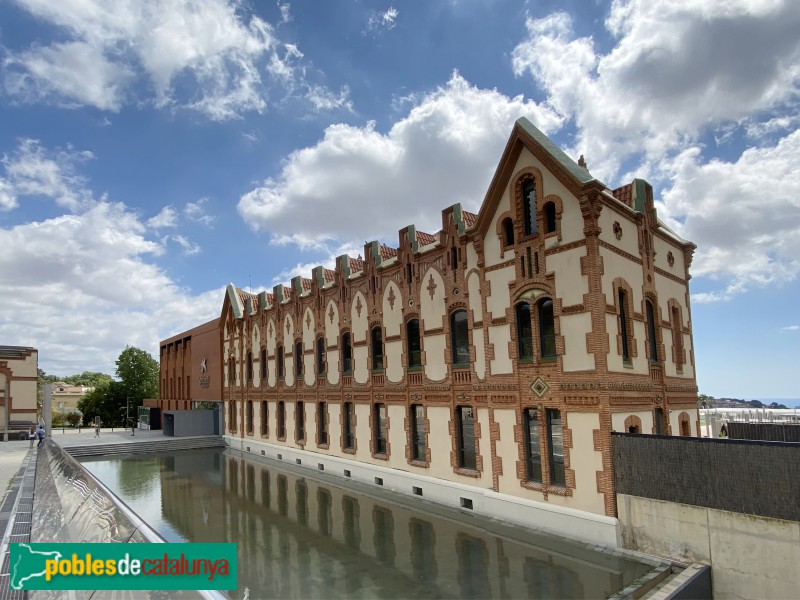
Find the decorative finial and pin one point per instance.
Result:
(582, 163)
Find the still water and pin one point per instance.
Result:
(303, 537)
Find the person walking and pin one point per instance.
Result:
(97, 431)
(32, 435)
(40, 435)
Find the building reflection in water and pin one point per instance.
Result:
(303, 538)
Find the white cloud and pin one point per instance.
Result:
(167, 217)
(285, 8)
(188, 247)
(82, 286)
(207, 55)
(791, 328)
(744, 215)
(35, 171)
(379, 21)
(677, 69)
(321, 98)
(196, 212)
(8, 198)
(360, 184)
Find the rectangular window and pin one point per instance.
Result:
(418, 432)
(623, 326)
(320, 356)
(281, 419)
(264, 418)
(379, 427)
(300, 421)
(377, 349)
(555, 443)
(249, 416)
(322, 423)
(533, 452)
(280, 362)
(298, 359)
(413, 344)
(347, 355)
(465, 422)
(651, 332)
(264, 364)
(349, 426)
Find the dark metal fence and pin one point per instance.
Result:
(776, 432)
(752, 477)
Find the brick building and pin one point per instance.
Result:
(486, 363)
(190, 368)
(18, 385)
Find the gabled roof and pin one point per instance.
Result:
(526, 136)
(426, 238)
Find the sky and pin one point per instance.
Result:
(153, 151)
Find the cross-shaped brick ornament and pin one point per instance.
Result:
(392, 298)
(431, 286)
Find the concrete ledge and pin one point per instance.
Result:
(580, 526)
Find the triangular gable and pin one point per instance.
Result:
(232, 298)
(525, 135)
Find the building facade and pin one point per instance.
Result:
(19, 376)
(65, 397)
(190, 368)
(496, 355)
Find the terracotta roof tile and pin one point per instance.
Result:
(306, 283)
(356, 265)
(624, 194)
(470, 219)
(426, 238)
(388, 252)
(328, 275)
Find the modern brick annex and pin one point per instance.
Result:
(498, 353)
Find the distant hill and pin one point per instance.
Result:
(711, 402)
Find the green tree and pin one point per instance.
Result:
(88, 379)
(73, 419)
(138, 372)
(109, 402)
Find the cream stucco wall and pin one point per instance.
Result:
(499, 298)
(570, 284)
(439, 418)
(359, 319)
(618, 420)
(618, 266)
(475, 296)
(432, 308)
(574, 329)
(629, 242)
(639, 363)
(661, 261)
(434, 347)
(392, 310)
(500, 339)
(393, 365)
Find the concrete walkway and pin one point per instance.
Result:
(13, 452)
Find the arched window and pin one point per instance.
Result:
(347, 354)
(549, 217)
(651, 332)
(279, 360)
(508, 232)
(263, 363)
(320, 355)
(459, 338)
(524, 332)
(413, 346)
(377, 348)
(547, 329)
(298, 358)
(529, 206)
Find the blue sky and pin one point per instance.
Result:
(153, 152)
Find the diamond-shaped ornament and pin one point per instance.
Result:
(539, 387)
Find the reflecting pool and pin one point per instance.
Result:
(305, 536)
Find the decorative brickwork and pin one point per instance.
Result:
(466, 266)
